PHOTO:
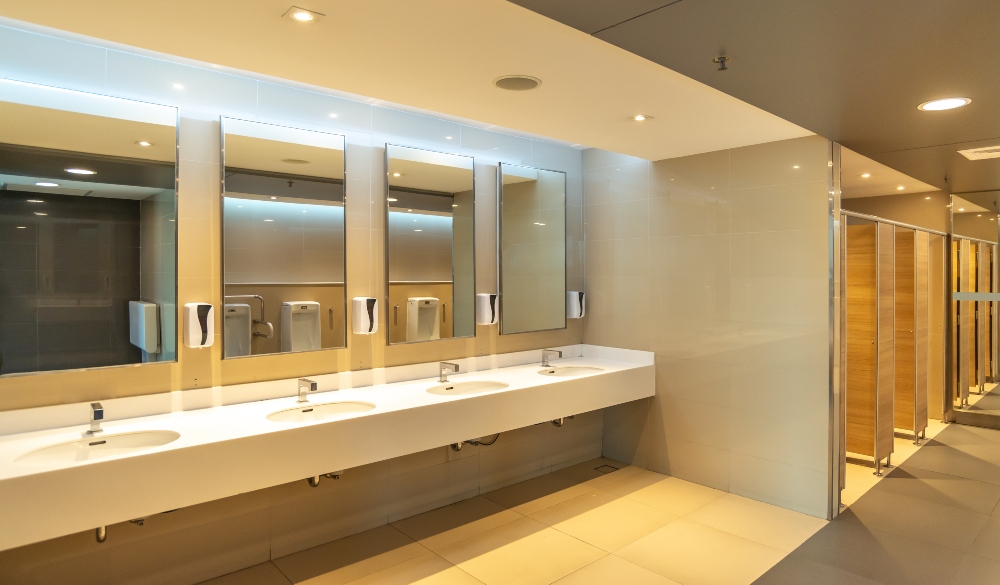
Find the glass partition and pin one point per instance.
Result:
(532, 249)
(430, 245)
(283, 239)
(87, 230)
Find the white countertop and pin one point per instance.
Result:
(228, 446)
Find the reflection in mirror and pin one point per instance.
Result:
(87, 230)
(430, 252)
(974, 313)
(532, 249)
(283, 239)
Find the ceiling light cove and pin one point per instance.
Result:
(517, 82)
(944, 104)
(302, 15)
(81, 171)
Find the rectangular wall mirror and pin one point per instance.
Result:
(87, 230)
(430, 250)
(283, 239)
(532, 211)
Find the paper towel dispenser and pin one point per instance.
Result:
(144, 326)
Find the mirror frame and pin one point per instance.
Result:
(222, 242)
(500, 321)
(385, 253)
(177, 146)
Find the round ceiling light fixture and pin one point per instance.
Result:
(302, 16)
(944, 104)
(517, 82)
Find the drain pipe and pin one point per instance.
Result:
(458, 446)
(562, 420)
(101, 533)
(314, 480)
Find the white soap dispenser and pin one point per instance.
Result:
(576, 304)
(199, 324)
(365, 321)
(487, 309)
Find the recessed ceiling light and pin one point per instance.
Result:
(144, 143)
(418, 230)
(294, 161)
(81, 171)
(409, 210)
(900, 188)
(40, 213)
(454, 205)
(979, 215)
(22, 227)
(391, 199)
(447, 137)
(396, 175)
(944, 104)
(926, 197)
(517, 82)
(273, 198)
(333, 115)
(302, 15)
(44, 184)
(641, 117)
(981, 153)
(178, 86)
(795, 166)
(268, 220)
(35, 201)
(536, 223)
(866, 175)
(961, 209)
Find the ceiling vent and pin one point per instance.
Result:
(981, 153)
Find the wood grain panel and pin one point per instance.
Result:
(937, 303)
(904, 309)
(861, 333)
(982, 313)
(921, 318)
(972, 284)
(885, 342)
(964, 322)
(842, 398)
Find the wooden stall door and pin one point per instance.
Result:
(937, 303)
(963, 322)
(861, 332)
(904, 350)
(921, 331)
(885, 342)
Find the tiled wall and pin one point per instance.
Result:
(205, 93)
(197, 543)
(720, 264)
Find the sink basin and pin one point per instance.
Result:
(310, 412)
(471, 387)
(569, 371)
(98, 446)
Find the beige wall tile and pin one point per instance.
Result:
(773, 163)
(700, 174)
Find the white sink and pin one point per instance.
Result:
(471, 387)
(569, 371)
(325, 411)
(99, 446)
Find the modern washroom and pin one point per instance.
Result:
(485, 292)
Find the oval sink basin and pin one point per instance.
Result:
(312, 412)
(471, 387)
(569, 371)
(99, 446)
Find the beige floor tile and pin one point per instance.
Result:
(536, 494)
(860, 479)
(445, 526)
(612, 569)
(351, 558)
(428, 569)
(695, 554)
(596, 471)
(524, 551)
(262, 574)
(664, 492)
(604, 520)
(776, 527)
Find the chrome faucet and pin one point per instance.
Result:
(447, 368)
(549, 352)
(305, 386)
(96, 416)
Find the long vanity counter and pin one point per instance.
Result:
(58, 481)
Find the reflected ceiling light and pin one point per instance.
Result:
(961, 209)
(302, 15)
(395, 174)
(418, 230)
(40, 213)
(35, 201)
(900, 188)
(866, 175)
(536, 223)
(391, 199)
(641, 117)
(979, 215)
(44, 184)
(926, 197)
(795, 166)
(447, 137)
(81, 171)
(144, 143)
(944, 104)
(178, 86)
(454, 205)
(517, 82)
(409, 210)
(22, 227)
(268, 220)
(273, 198)
(333, 115)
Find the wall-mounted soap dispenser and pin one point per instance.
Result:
(576, 304)
(199, 324)
(365, 321)
(487, 312)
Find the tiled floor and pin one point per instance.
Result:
(935, 518)
(585, 524)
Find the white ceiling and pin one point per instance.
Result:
(442, 56)
(883, 180)
(260, 154)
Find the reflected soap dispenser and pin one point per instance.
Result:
(199, 324)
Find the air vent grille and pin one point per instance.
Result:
(981, 153)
